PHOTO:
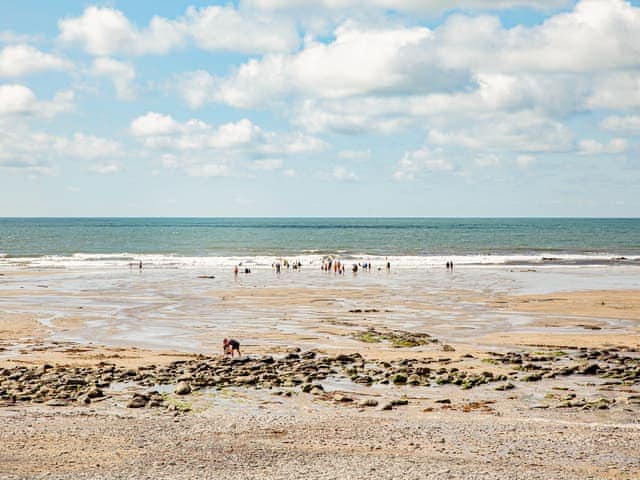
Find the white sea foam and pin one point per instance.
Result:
(129, 260)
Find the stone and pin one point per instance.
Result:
(399, 379)
(95, 392)
(414, 379)
(137, 402)
(182, 388)
(368, 402)
(448, 348)
(339, 397)
(57, 402)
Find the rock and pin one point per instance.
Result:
(448, 348)
(364, 379)
(95, 392)
(339, 397)
(387, 406)
(182, 388)
(399, 379)
(57, 402)
(506, 386)
(590, 369)
(443, 400)
(368, 402)
(414, 379)
(137, 402)
(399, 402)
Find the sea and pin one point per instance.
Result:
(259, 242)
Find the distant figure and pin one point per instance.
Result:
(278, 268)
(235, 270)
(451, 265)
(140, 265)
(448, 265)
(229, 346)
(247, 270)
(388, 265)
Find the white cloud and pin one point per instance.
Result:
(629, 123)
(87, 147)
(17, 60)
(593, 147)
(153, 123)
(342, 174)
(616, 90)
(542, 65)
(217, 28)
(414, 163)
(190, 145)
(358, 61)
(425, 6)
(104, 31)
(16, 99)
(517, 132)
(163, 132)
(121, 75)
(23, 150)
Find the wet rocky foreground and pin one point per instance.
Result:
(309, 373)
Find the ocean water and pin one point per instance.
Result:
(406, 242)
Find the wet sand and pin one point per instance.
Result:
(472, 317)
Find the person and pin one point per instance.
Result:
(229, 346)
(235, 270)
(140, 266)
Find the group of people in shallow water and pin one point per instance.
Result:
(328, 264)
(278, 265)
(338, 267)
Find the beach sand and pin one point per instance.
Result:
(574, 426)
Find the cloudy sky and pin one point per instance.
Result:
(320, 108)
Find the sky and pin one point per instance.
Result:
(420, 108)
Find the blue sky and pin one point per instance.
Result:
(320, 108)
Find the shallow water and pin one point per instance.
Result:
(175, 309)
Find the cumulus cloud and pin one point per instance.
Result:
(361, 60)
(121, 75)
(517, 132)
(104, 31)
(194, 141)
(16, 99)
(18, 60)
(411, 6)
(414, 163)
(629, 123)
(593, 147)
(512, 67)
(23, 150)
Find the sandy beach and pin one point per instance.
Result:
(485, 373)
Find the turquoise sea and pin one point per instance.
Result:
(409, 241)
